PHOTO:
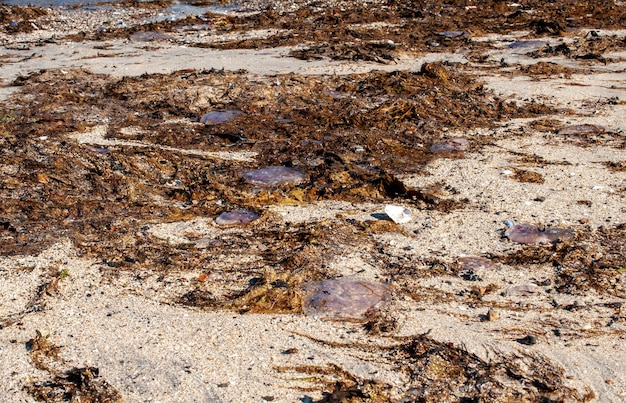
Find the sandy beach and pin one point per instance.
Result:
(447, 222)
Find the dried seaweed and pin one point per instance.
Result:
(593, 260)
(14, 19)
(524, 176)
(438, 371)
(75, 385)
(379, 31)
(82, 191)
(49, 287)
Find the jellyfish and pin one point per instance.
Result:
(219, 117)
(528, 233)
(275, 176)
(581, 129)
(240, 216)
(453, 144)
(148, 36)
(476, 263)
(344, 298)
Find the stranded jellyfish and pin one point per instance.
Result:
(149, 36)
(241, 216)
(585, 129)
(476, 263)
(528, 233)
(344, 298)
(452, 34)
(219, 117)
(450, 145)
(526, 44)
(275, 176)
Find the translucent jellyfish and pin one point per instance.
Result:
(275, 176)
(450, 145)
(219, 117)
(585, 129)
(398, 214)
(524, 290)
(528, 233)
(526, 44)
(241, 216)
(476, 263)
(452, 34)
(149, 36)
(344, 298)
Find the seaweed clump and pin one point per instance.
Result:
(592, 260)
(438, 371)
(82, 385)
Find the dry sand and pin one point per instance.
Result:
(150, 348)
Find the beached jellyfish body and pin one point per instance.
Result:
(523, 290)
(528, 233)
(584, 129)
(275, 176)
(234, 217)
(344, 298)
(526, 44)
(219, 117)
(149, 36)
(476, 263)
(452, 34)
(450, 145)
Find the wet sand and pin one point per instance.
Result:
(119, 285)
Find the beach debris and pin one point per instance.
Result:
(528, 340)
(453, 34)
(528, 233)
(584, 129)
(275, 176)
(525, 176)
(526, 44)
(149, 36)
(344, 298)
(493, 315)
(398, 214)
(234, 217)
(524, 290)
(219, 117)
(450, 145)
(76, 385)
(475, 262)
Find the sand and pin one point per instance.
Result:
(149, 347)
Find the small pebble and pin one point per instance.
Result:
(527, 340)
(493, 315)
